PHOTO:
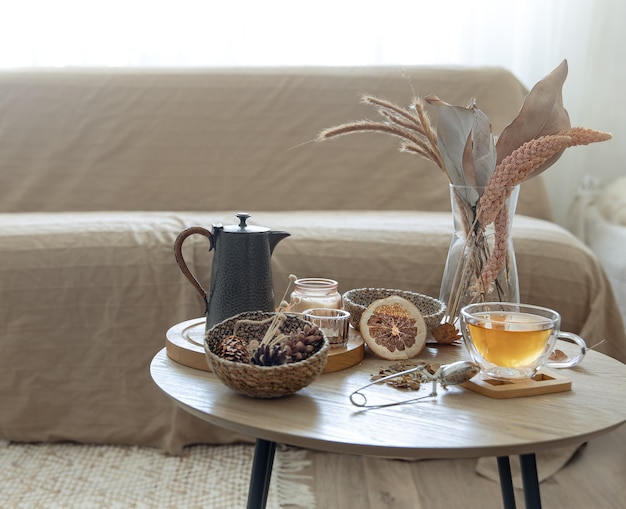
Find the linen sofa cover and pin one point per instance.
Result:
(101, 169)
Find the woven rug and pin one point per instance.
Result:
(68, 476)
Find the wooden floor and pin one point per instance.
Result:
(594, 477)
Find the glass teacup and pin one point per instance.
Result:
(512, 341)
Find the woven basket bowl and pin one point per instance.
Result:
(262, 381)
(356, 302)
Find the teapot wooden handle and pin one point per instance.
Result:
(178, 253)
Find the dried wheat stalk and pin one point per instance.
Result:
(411, 126)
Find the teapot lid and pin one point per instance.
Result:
(242, 227)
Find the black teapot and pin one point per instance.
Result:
(241, 272)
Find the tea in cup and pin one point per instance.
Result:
(512, 341)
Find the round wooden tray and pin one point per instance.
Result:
(184, 344)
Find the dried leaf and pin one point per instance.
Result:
(558, 356)
(466, 144)
(541, 114)
(454, 126)
(446, 333)
(411, 381)
(483, 149)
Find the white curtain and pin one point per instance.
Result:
(529, 37)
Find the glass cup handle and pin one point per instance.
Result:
(574, 360)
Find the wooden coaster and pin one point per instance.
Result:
(184, 343)
(545, 382)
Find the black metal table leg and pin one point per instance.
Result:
(506, 482)
(261, 473)
(528, 464)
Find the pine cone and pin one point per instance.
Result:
(233, 348)
(303, 343)
(266, 355)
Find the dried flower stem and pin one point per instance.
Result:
(497, 258)
(361, 126)
(461, 276)
(414, 149)
(418, 105)
(513, 170)
(415, 118)
(584, 136)
(422, 147)
(285, 306)
(393, 111)
(414, 129)
(470, 257)
(273, 334)
(519, 165)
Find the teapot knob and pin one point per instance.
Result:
(242, 219)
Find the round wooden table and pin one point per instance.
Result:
(457, 423)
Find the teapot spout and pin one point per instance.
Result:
(275, 237)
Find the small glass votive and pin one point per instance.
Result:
(334, 323)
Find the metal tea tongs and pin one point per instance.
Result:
(447, 374)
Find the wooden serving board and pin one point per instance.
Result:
(347, 356)
(184, 343)
(544, 382)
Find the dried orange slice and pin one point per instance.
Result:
(393, 328)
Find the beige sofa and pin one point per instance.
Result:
(101, 169)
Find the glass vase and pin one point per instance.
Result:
(480, 266)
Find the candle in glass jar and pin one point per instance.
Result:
(315, 292)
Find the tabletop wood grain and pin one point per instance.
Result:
(458, 423)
